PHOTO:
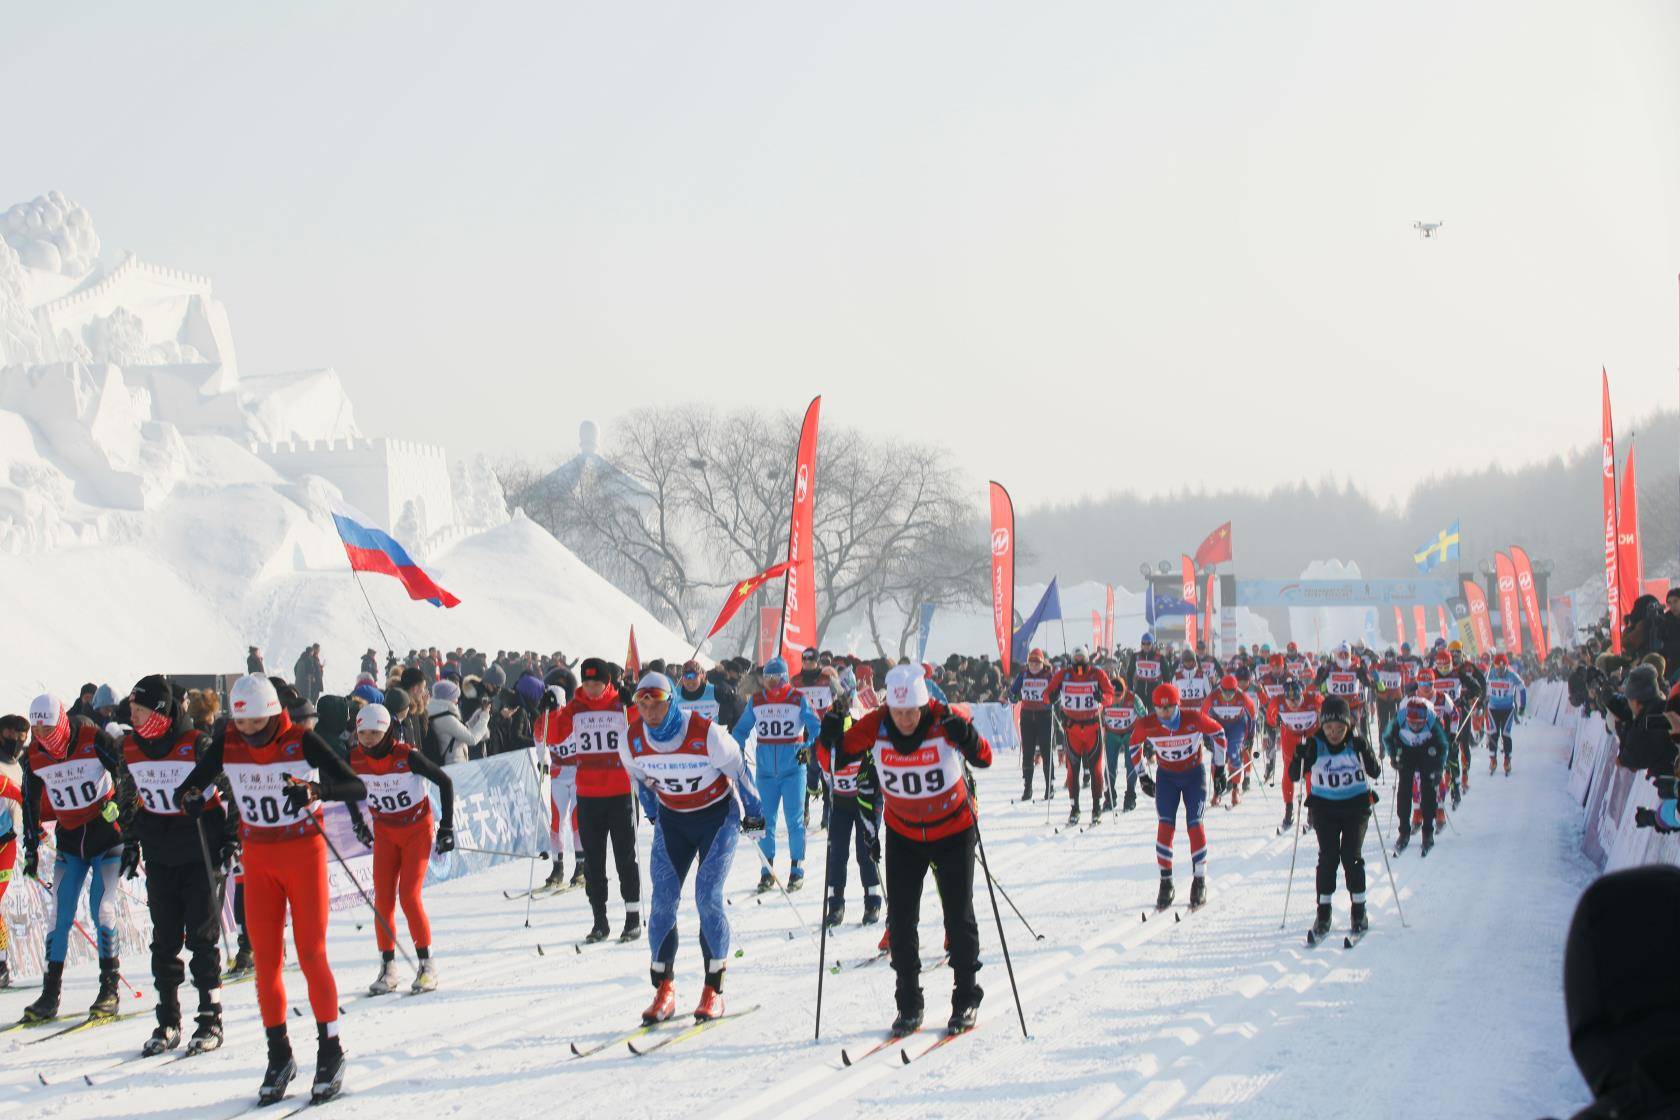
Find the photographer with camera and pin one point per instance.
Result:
(1645, 729)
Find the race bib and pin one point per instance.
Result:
(155, 783)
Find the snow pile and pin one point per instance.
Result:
(161, 511)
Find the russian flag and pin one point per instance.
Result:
(373, 550)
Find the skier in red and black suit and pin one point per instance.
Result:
(181, 894)
(919, 747)
(596, 715)
(1173, 735)
(1031, 690)
(279, 773)
(1082, 691)
(1149, 666)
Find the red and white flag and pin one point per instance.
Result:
(1003, 572)
(799, 607)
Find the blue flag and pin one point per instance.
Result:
(1049, 606)
(927, 629)
(1438, 551)
(1164, 606)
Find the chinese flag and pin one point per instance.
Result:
(1216, 548)
(741, 592)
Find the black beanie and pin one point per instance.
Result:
(154, 692)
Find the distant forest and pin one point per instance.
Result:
(1551, 508)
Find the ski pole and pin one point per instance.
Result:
(1008, 965)
(797, 916)
(1036, 935)
(81, 929)
(315, 819)
(218, 887)
(510, 855)
(822, 945)
(531, 879)
(1376, 818)
(1294, 847)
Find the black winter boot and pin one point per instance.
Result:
(45, 1008)
(105, 1003)
(329, 1065)
(281, 1067)
(1321, 923)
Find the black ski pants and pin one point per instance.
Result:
(951, 860)
(599, 820)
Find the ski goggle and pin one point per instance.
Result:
(652, 695)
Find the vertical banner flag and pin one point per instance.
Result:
(1187, 578)
(1421, 626)
(1108, 620)
(1510, 626)
(1189, 631)
(1441, 617)
(1629, 565)
(1003, 572)
(1612, 581)
(1480, 624)
(924, 631)
(632, 658)
(1530, 601)
(1399, 627)
(769, 632)
(1216, 548)
(1096, 632)
(799, 607)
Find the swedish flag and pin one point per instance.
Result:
(1438, 551)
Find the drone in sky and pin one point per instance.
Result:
(1427, 230)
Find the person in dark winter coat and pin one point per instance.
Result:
(1621, 992)
(1645, 736)
(1344, 769)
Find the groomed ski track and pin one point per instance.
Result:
(1221, 1015)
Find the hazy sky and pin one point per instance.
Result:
(1147, 244)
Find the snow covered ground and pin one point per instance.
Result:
(1223, 1015)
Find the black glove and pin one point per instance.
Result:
(813, 784)
(1147, 785)
(1644, 818)
(364, 834)
(191, 800)
(874, 848)
(445, 840)
(548, 703)
(959, 732)
(752, 826)
(227, 854)
(130, 866)
(842, 706)
(802, 756)
(300, 794)
(1374, 797)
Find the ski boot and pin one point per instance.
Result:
(1493, 762)
(165, 1036)
(632, 930)
(329, 1066)
(1428, 843)
(1321, 922)
(387, 981)
(207, 1035)
(1288, 817)
(1220, 785)
(908, 1022)
(45, 1007)
(1096, 813)
(243, 963)
(1073, 815)
(105, 1003)
(1164, 898)
(796, 877)
(711, 998)
(1108, 801)
(577, 877)
(1130, 801)
(871, 909)
(1507, 766)
(556, 876)
(835, 912)
(281, 1067)
(664, 1003)
(965, 1010)
(1236, 794)
(1198, 891)
(1361, 923)
(599, 931)
(5, 974)
(1404, 839)
(1026, 791)
(766, 881)
(426, 979)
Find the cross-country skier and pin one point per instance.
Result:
(1118, 716)
(74, 770)
(847, 829)
(402, 838)
(1507, 696)
(1234, 711)
(1173, 736)
(562, 790)
(1082, 691)
(14, 739)
(1149, 667)
(1031, 690)
(1343, 766)
(606, 811)
(1417, 746)
(818, 684)
(181, 892)
(785, 726)
(279, 773)
(693, 781)
(1296, 716)
(919, 748)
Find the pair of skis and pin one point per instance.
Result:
(904, 1054)
(668, 1038)
(1348, 941)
